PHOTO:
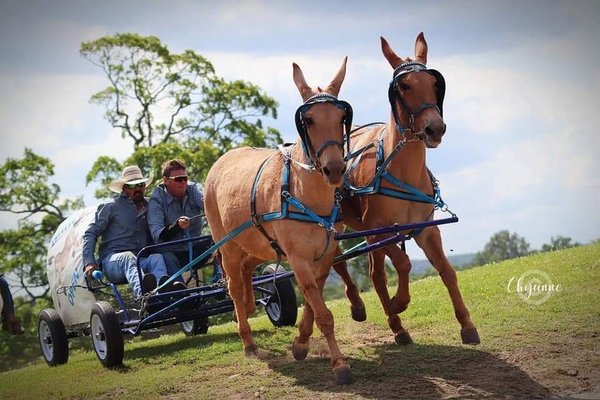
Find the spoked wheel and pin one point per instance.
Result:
(53, 338)
(106, 334)
(198, 326)
(282, 309)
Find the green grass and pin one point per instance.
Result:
(512, 332)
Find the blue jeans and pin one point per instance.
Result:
(121, 267)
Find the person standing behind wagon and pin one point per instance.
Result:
(174, 213)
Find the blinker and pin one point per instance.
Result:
(415, 66)
(322, 98)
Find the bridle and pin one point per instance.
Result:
(394, 94)
(309, 150)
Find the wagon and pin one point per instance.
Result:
(97, 308)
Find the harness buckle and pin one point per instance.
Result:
(285, 194)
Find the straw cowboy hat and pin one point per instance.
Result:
(131, 175)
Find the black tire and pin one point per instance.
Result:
(107, 337)
(282, 309)
(53, 338)
(198, 326)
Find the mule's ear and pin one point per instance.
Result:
(305, 90)
(335, 85)
(389, 54)
(421, 49)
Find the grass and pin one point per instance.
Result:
(531, 346)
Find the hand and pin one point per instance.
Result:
(183, 222)
(91, 267)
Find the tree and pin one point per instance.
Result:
(559, 243)
(25, 191)
(502, 246)
(173, 104)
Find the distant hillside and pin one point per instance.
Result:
(419, 267)
(458, 261)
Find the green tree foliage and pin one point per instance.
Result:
(173, 105)
(502, 246)
(559, 243)
(25, 191)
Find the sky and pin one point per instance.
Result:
(521, 151)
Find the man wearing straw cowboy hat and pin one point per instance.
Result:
(122, 226)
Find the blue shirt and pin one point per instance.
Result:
(120, 226)
(164, 210)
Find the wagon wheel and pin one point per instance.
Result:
(282, 309)
(53, 338)
(107, 337)
(198, 326)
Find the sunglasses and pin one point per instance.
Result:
(179, 178)
(135, 185)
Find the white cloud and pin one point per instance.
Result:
(45, 112)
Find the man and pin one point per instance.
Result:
(123, 228)
(10, 322)
(175, 210)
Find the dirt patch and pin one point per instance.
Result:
(552, 369)
(556, 369)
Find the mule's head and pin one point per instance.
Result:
(416, 93)
(323, 123)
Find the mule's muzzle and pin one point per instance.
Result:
(433, 133)
(333, 172)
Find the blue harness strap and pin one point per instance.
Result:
(304, 214)
(403, 190)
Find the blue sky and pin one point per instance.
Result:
(523, 82)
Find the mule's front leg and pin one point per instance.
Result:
(379, 279)
(430, 241)
(323, 317)
(357, 306)
(401, 263)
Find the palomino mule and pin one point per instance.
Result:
(416, 96)
(248, 184)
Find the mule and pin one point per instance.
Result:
(416, 97)
(248, 184)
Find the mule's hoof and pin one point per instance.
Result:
(343, 375)
(359, 314)
(299, 350)
(470, 336)
(251, 350)
(403, 338)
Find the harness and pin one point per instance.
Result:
(304, 214)
(401, 190)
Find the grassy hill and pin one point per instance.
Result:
(527, 350)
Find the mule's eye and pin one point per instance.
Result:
(404, 86)
(308, 121)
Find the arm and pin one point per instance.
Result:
(157, 219)
(90, 237)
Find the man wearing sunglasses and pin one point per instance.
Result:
(175, 210)
(122, 226)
